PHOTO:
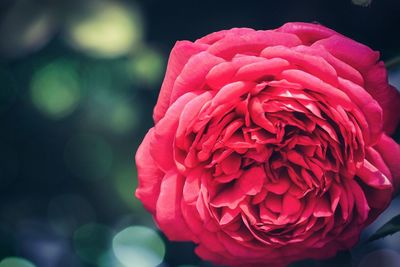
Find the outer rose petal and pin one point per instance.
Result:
(351, 52)
(251, 43)
(193, 74)
(180, 54)
(168, 213)
(387, 96)
(164, 134)
(307, 32)
(149, 175)
(216, 36)
(390, 152)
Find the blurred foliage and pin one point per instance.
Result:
(78, 82)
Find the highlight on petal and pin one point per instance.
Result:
(307, 32)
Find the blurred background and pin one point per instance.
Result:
(78, 81)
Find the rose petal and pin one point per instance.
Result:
(231, 164)
(231, 92)
(349, 51)
(251, 181)
(280, 187)
(307, 32)
(168, 211)
(368, 105)
(390, 152)
(220, 75)
(252, 42)
(386, 95)
(371, 176)
(314, 65)
(228, 215)
(180, 54)
(258, 70)
(161, 148)
(290, 205)
(343, 69)
(333, 95)
(360, 200)
(322, 208)
(273, 202)
(216, 36)
(193, 74)
(149, 175)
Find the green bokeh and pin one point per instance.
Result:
(138, 246)
(15, 262)
(55, 89)
(147, 67)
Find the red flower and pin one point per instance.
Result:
(270, 146)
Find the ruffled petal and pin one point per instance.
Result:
(168, 211)
(390, 153)
(251, 43)
(161, 147)
(149, 175)
(307, 32)
(387, 96)
(179, 56)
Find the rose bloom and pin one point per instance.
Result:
(272, 146)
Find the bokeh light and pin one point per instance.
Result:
(92, 242)
(123, 117)
(147, 67)
(67, 212)
(107, 29)
(138, 246)
(88, 156)
(26, 27)
(109, 260)
(15, 262)
(55, 89)
(35, 240)
(113, 112)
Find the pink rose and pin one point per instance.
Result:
(270, 146)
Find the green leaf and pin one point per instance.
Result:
(389, 228)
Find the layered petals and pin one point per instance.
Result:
(270, 147)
